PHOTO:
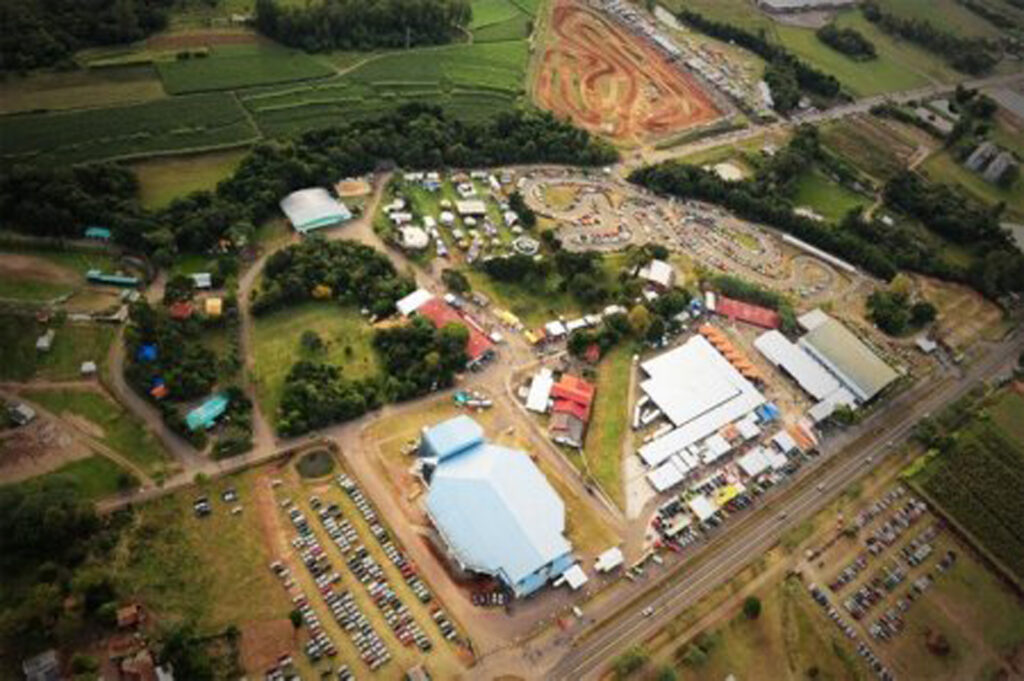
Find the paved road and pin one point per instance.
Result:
(737, 546)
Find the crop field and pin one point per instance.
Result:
(163, 179)
(947, 15)
(83, 88)
(231, 67)
(876, 148)
(827, 198)
(611, 82)
(108, 422)
(346, 335)
(176, 124)
(979, 485)
(469, 81)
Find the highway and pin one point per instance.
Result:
(735, 547)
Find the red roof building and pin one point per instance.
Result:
(441, 313)
(181, 310)
(745, 312)
(573, 395)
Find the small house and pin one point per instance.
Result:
(88, 368)
(97, 233)
(202, 280)
(21, 414)
(45, 342)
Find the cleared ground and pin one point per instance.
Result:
(346, 336)
(611, 82)
(877, 148)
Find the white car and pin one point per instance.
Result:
(648, 611)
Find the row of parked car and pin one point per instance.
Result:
(890, 624)
(863, 649)
(884, 536)
(372, 649)
(396, 555)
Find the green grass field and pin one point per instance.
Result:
(1008, 415)
(825, 197)
(212, 569)
(942, 167)
(72, 345)
(609, 423)
(79, 89)
(230, 67)
(121, 431)
(488, 12)
(516, 27)
(167, 125)
(276, 345)
(94, 477)
(163, 179)
(946, 15)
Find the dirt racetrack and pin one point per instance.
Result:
(615, 83)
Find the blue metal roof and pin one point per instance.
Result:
(500, 516)
(207, 413)
(451, 437)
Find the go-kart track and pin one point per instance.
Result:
(614, 83)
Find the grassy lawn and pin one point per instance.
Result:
(1008, 415)
(825, 197)
(608, 424)
(583, 529)
(74, 344)
(44, 275)
(94, 477)
(533, 309)
(942, 167)
(18, 339)
(31, 290)
(947, 15)
(783, 643)
(79, 88)
(161, 180)
(276, 342)
(118, 429)
(212, 569)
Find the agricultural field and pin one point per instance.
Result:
(613, 83)
(499, 20)
(84, 88)
(108, 422)
(230, 67)
(175, 124)
(942, 167)
(163, 179)
(346, 335)
(979, 484)
(877, 148)
(947, 15)
(826, 197)
(471, 81)
(608, 425)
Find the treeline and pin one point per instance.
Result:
(786, 74)
(61, 202)
(38, 33)
(849, 41)
(970, 55)
(990, 14)
(417, 359)
(579, 274)
(348, 272)
(362, 24)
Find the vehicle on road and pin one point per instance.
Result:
(648, 611)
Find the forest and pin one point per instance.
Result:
(362, 24)
(38, 33)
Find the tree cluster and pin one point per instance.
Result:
(786, 74)
(894, 314)
(849, 41)
(970, 55)
(417, 359)
(740, 289)
(362, 24)
(346, 271)
(38, 33)
(527, 216)
(944, 211)
(579, 274)
(60, 202)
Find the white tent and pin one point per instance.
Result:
(412, 302)
(609, 560)
(540, 391)
(702, 507)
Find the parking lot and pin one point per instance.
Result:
(363, 604)
(880, 569)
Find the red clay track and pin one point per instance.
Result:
(612, 82)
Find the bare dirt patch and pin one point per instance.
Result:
(347, 189)
(964, 315)
(263, 643)
(613, 83)
(29, 267)
(38, 448)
